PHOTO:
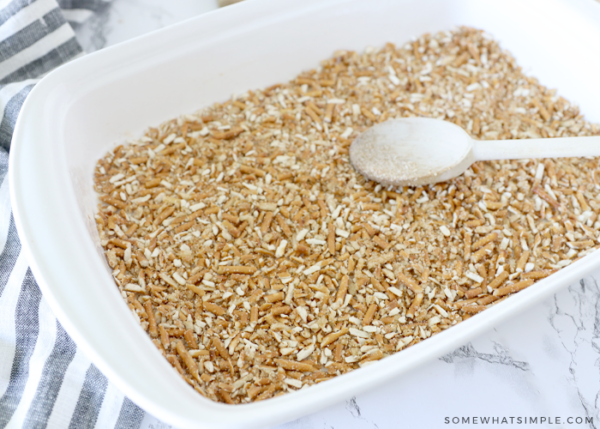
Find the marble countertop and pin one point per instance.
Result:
(544, 363)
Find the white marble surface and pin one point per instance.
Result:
(122, 20)
(544, 363)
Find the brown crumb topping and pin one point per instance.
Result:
(260, 262)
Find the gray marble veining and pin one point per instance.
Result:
(121, 20)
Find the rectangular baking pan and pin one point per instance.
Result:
(83, 109)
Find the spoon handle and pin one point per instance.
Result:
(560, 147)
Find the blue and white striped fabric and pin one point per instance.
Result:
(45, 379)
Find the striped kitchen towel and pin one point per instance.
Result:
(45, 379)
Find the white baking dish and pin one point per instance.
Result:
(83, 109)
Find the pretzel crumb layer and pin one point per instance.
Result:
(258, 260)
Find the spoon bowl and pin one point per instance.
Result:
(420, 151)
(412, 151)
